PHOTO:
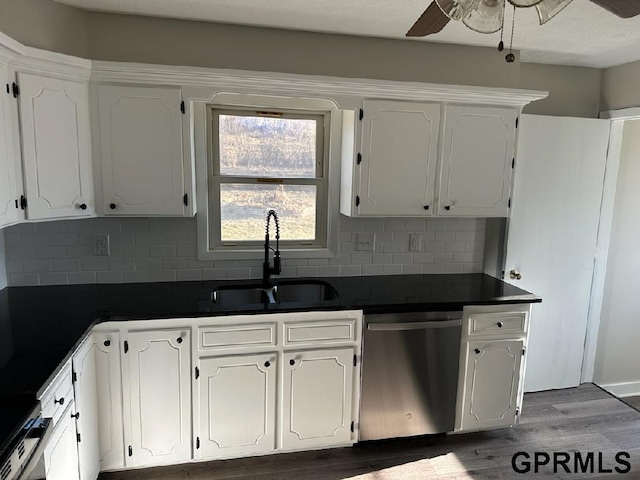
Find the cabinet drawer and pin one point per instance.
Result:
(58, 395)
(320, 332)
(224, 336)
(507, 322)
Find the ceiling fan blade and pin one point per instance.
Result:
(621, 8)
(431, 21)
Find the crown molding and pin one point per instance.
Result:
(9, 49)
(34, 60)
(293, 84)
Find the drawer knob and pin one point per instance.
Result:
(179, 340)
(500, 324)
(292, 362)
(61, 401)
(477, 350)
(107, 343)
(76, 416)
(267, 364)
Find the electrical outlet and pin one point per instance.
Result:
(102, 245)
(365, 241)
(415, 242)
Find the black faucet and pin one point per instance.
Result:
(268, 270)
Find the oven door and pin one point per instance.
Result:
(25, 460)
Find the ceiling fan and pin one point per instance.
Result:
(487, 16)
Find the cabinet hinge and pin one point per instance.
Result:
(182, 107)
(509, 203)
(517, 411)
(355, 359)
(130, 451)
(197, 443)
(353, 426)
(197, 372)
(513, 162)
(23, 202)
(517, 122)
(78, 437)
(15, 89)
(8, 89)
(361, 116)
(74, 376)
(185, 199)
(359, 160)
(357, 200)
(126, 346)
(523, 351)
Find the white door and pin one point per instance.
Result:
(54, 119)
(109, 390)
(141, 150)
(237, 405)
(399, 154)
(10, 189)
(318, 388)
(61, 453)
(477, 154)
(86, 400)
(158, 397)
(552, 237)
(491, 384)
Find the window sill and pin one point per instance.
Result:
(259, 254)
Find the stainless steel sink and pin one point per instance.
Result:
(284, 292)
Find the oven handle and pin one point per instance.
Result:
(414, 325)
(37, 453)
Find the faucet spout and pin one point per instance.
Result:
(267, 269)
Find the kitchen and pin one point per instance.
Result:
(168, 245)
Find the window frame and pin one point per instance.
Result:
(215, 180)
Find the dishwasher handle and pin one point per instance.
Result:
(414, 325)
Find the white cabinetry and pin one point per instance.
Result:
(477, 156)
(141, 157)
(10, 180)
(399, 154)
(237, 397)
(317, 401)
(491, 366)
(54, 122)
(61, 452)
(86, 401)
(157, 390)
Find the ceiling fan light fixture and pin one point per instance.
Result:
(547, 9)
(524, 3)
(456, 9)
(486, 17)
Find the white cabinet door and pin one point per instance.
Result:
(158, 397)
(86, 400)
(318, 389)
(109, 389)
(61, 452)
(491, 381)
(477, 156)
(54, 119)
(237, 405)
(399, 154)
(143, 172)
(10, 183)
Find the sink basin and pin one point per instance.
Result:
(304, 291)
(287, 291)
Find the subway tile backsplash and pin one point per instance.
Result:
(164, 249)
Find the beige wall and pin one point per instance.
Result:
(620, 87)
(573, 91)
(45, 24)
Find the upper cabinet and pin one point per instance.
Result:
(141, 156)
(10, 187)
(398, 158)
(56, 153)
(415, 162)
(477, 159)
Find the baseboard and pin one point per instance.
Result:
(626, 389)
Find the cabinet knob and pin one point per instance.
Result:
(515, 275)
(426, 207)
(500, 324)
(477, 350)
(447, 207)
(83, 206)
(61, 401)
(267, 364)
(76, 416)
(179, 340)
(292, 362)
(112, 206)
(107, 343)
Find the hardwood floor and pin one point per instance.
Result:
(583, 419)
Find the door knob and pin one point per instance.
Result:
(515, 275)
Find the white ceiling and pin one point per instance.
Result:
(581, 35)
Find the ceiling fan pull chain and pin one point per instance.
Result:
(510, 57)
(501, 44)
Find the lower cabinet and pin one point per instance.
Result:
(237, 399)
(61, 452)
(157, 402)
(317, 400)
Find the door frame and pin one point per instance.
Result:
(618, 119)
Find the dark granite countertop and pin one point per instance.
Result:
(39, 326)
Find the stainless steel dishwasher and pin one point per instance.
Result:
(409, 374)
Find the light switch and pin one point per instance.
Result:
(365, 241)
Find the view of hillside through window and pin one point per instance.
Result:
(263, 148)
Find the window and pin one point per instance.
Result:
(263, 160)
